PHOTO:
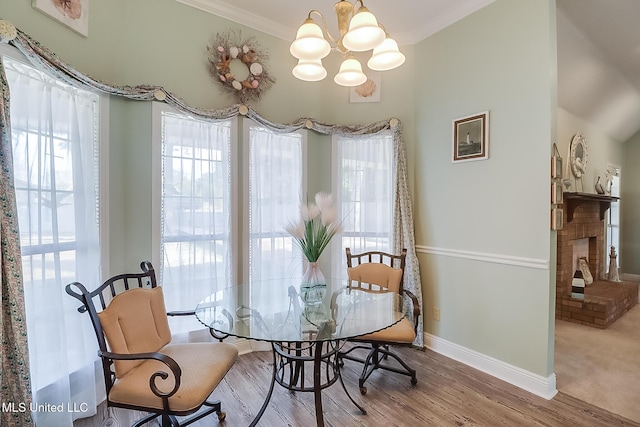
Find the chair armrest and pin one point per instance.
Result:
(416, 308)
(333, 307)
(168, 361)
(181, 313)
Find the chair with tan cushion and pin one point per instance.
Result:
(376, 271)
(142, 369)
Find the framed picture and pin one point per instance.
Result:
(71, 13)
(556, 219)
(556, 163)
(471, 137)
(368, 91)
(556, 193)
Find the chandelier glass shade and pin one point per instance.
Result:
(359, 32)
(310, 70)
(309, 42)
(350, 73)
(386, 56)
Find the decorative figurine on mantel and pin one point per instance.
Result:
(613, 274)
(599, 187)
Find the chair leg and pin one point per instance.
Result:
(371, 363)
(145, 420)
(376, 355)
(167, 420)
(409, 371)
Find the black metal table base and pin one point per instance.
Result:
(289, 361)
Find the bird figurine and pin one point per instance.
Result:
(599, 187)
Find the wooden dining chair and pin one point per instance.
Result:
(376, 271)
(142, 369)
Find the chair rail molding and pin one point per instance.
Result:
(535, 263)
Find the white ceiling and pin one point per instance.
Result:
(599, 63)
(598, 44)
(407, 21)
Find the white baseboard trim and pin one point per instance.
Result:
(630, 277)
(533, 383)
(246, 346)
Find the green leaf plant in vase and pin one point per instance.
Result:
(318, 223)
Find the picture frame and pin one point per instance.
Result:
(556, 163)
(73, 14)
(369, 91)
(556, 193)
(557, 219)
(471, 138)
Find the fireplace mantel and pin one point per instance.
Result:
(575, 199)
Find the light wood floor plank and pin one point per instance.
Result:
(448, 393)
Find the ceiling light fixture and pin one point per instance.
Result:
(359, 32)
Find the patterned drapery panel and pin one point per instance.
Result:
(14, 375)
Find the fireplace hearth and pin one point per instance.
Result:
(584, 235)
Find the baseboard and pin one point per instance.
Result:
(246, 346)
(630, 277)
(533, 383)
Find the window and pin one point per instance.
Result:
(364, 189)
(200, 212)
(275, 190)
(55, 141)
(196, 228)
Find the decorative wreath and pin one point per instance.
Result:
(228, 47)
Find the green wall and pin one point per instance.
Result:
(500, 59)
(630, 204)
(483, 227)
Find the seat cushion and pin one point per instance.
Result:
(402, 332)
(135, 322)
(203, 366)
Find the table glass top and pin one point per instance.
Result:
(273, 310)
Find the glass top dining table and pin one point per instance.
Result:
(274, 310)
(303, 326)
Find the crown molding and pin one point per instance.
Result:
(447, 18)
(240, 16)
(260, 23)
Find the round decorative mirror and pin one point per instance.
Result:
(579, 155)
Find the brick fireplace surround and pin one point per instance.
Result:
(604, 301)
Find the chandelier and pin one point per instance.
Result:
(359, 32)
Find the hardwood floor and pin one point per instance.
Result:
(448, 393)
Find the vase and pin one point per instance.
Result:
(313, 286)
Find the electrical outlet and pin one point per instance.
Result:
(436, 313)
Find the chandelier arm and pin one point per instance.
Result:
(383, 29)
(324, 24)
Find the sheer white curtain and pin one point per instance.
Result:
(196, 212)
(364, 186)
(275, 187)
(55, 146)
